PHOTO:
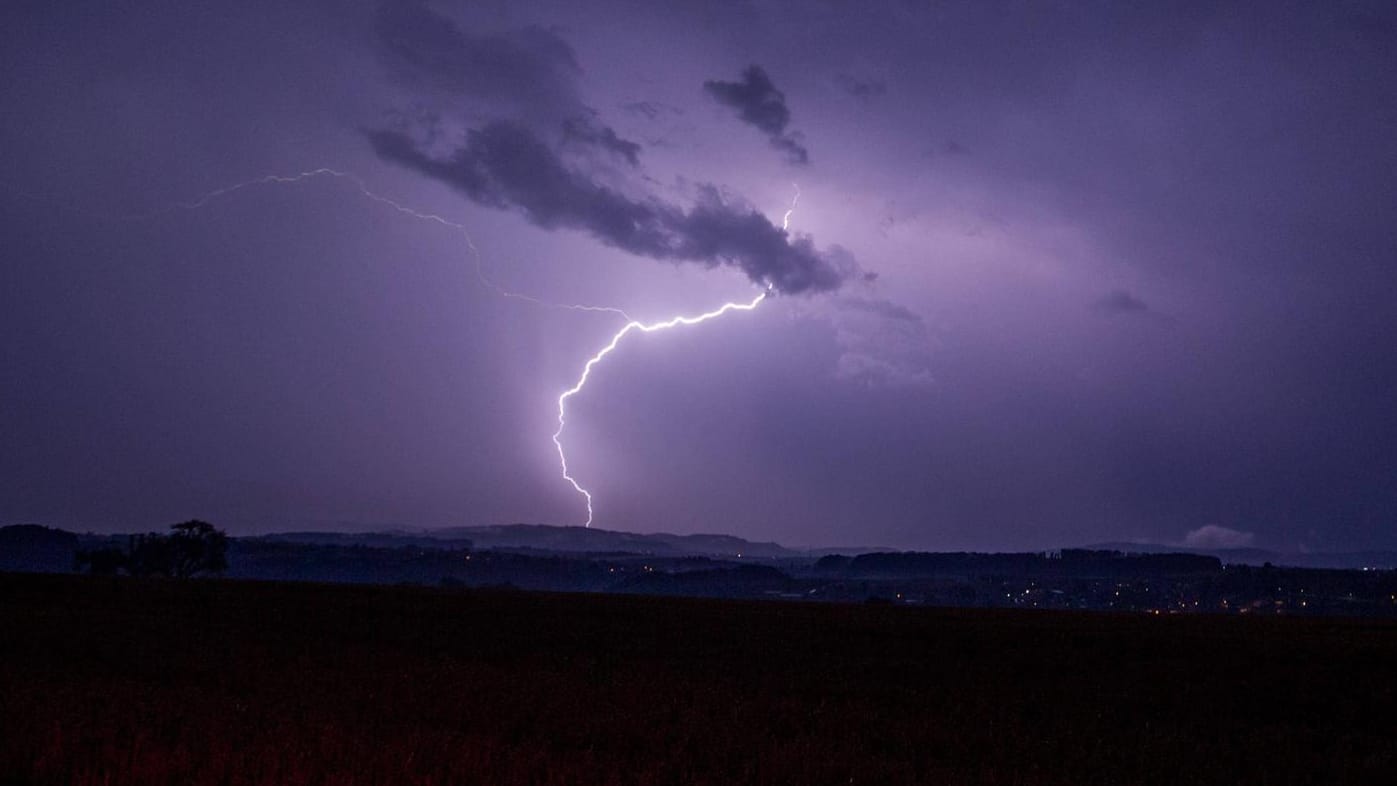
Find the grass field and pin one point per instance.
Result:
(146, 683)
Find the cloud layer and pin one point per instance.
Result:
(759, 104)
(537, 149)
(505, 165)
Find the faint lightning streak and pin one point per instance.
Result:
(383, 200)
(795, 200)
(606, 350)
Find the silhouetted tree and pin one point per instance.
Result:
(196, 547)
(148, 555)
(191, 548)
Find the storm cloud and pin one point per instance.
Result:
(759, 104)
(505, 165)
(538, 149)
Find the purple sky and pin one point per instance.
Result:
(1060, 273)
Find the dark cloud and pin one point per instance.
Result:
(505, 165)
(862, 89)
(603, 138)
(651, 109)
(795, 151)
(760, 104)
(539, 148)
(528, 75)
(531, 70)
(1120, 302)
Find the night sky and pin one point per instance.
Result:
(1059, 273)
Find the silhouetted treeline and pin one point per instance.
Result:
(740, 581)
(1084, 579)
(448, 566)
(190, 548)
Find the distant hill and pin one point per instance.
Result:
(543, 537)
(30, 548)
(386, 540)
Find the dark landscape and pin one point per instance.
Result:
(568, 559)
(399, 658)
(148, 682)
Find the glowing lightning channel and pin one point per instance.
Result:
(795, 200)
(606, 350)
(644, 328)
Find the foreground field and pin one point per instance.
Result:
(146, 683)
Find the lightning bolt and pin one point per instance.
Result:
(631, 325)
(607, 350)
(795, 200)
(652, 327)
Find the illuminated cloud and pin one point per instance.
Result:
(881, 344)
(1212, 536)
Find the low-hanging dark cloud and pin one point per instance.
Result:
(759, 104)
(602, 138)
(538, 149)
(506, 166)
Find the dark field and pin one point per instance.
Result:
(206, 682)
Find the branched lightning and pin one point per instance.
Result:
(359, 185)
(407, 211)
(631, 325)
(652, 327)
(606, 350)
